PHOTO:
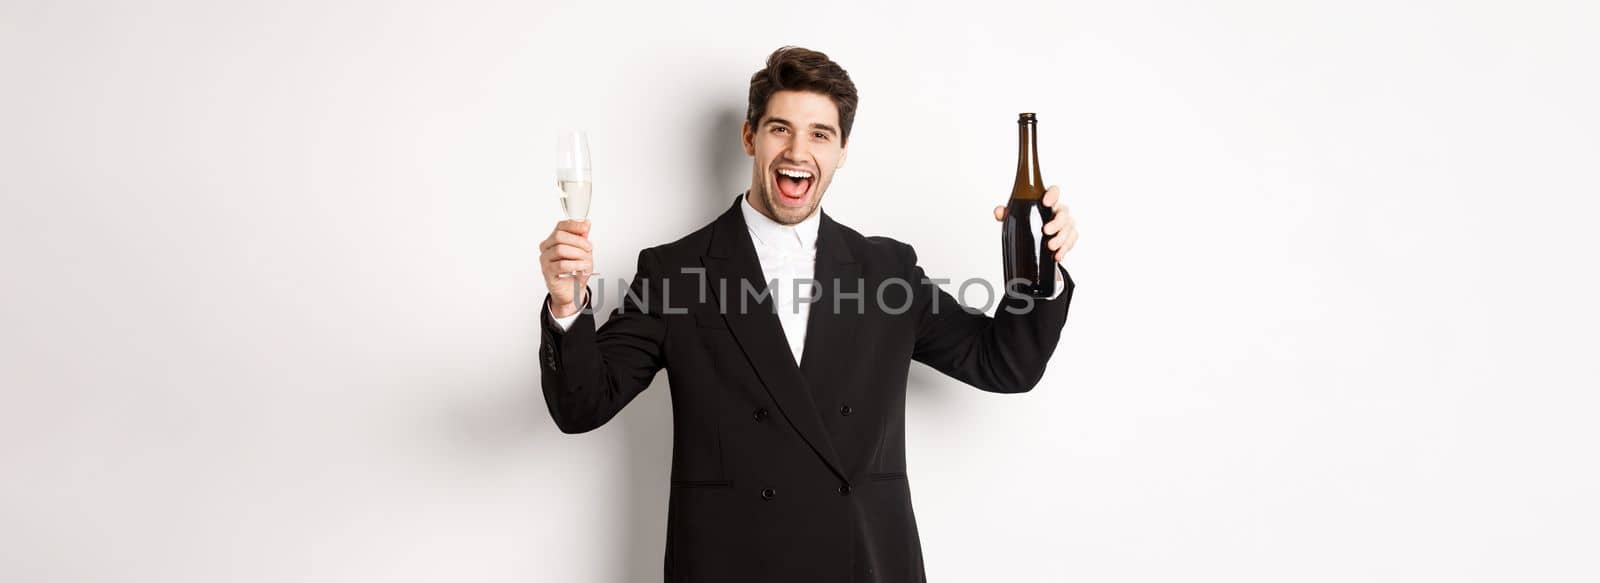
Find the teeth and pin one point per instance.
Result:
(794, 173)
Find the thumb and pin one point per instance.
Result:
(999, 213)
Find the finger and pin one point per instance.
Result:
(574, 226)
(565, 251)
(1066, 245)
(552, 257)
(999, 213)
(1055, 225)
(1062, 223)
(566, 238)
(571, 265)
(1051, 195)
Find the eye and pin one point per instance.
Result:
(821, 135)
(779, 129)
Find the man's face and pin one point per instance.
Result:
(796, 146)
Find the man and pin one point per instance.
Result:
(788, 407)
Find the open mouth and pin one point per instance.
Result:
(794, 185)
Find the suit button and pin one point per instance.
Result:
(846, 410)
(761, 414)
(768, 493)
(844, 490)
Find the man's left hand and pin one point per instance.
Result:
(1062, 229)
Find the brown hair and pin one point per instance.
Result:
(798, 69)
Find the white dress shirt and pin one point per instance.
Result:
(788, 254)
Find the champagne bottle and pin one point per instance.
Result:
(1022, 239)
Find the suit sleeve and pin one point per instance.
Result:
(1005, 353)
(589, 375)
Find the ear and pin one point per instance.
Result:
(748, 137)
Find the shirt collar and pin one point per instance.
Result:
(765, 231)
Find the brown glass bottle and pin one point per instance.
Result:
(1022, 240)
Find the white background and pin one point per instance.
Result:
(270, 294)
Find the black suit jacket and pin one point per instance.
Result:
(785, 472)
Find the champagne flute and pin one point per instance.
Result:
(572, 177)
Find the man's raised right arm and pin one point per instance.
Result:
(589, 375)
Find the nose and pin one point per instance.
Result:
(798, 152)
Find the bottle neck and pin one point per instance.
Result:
(1028, 184)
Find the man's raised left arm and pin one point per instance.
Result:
(1007, 352)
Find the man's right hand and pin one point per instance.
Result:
(564, 251)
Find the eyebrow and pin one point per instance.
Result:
(816, 126)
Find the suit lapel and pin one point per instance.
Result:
(731, 267)
(828, 329)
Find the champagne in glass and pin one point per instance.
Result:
(574, 196)
(572, 176)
